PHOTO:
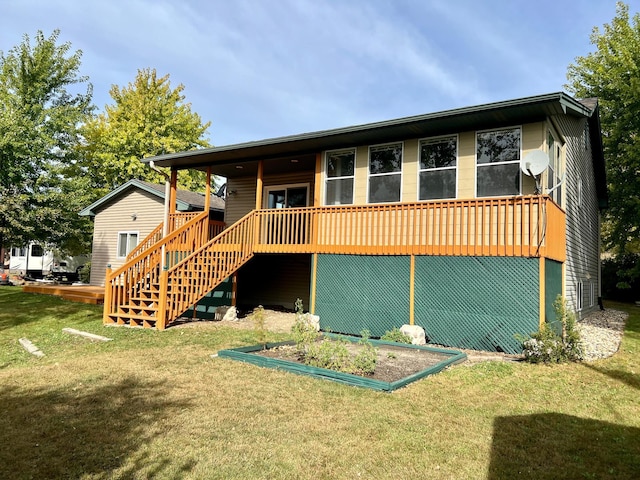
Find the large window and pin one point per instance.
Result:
(438, 160)
(385, 173)
(498, 163)
(554, 174)
(340, 170)
(127, 241)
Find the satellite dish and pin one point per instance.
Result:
(534, 163)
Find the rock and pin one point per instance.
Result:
(416, 333)
(231, 315)
(313, 320)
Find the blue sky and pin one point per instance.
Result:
(265, 68)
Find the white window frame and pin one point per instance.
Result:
(328, 179)
(579, 295)
(435, 169)
(488, 165)
(556, 166)
(128, 233)
(592, 294)
(370, 175)
(268, 188)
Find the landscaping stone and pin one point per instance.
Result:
(313, 320)
(231, 315)
(416, 333)
(30, 347)
(88, 335)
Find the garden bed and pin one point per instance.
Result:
(397, 364)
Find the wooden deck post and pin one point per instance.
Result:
(412, 290)
(173, 196)
(542, 280)
(259, 185)
(108, 295)
(162, 300)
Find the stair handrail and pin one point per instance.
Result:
(153, 237)
(213, 269)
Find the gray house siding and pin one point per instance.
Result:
(582, 217)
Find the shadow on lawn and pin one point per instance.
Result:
(71, 432)
(551, 446)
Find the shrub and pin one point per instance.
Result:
(331, 354)
(259, 325)
(364, 363)
(84, 274)
(395, 335)
(303, 333)
(549, 346)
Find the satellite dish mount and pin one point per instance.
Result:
(533, 164)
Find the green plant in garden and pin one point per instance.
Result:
(331, 354)
(364, 362)
(303, 333)
(259, 325)
(549, 346)
(395, 335)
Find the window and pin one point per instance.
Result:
(127, 241)
(592, 294)
(18, 252)
(498, 163)
(286, 196)
(554, 173)
(36, 251)
(579, 291)
(340, 171)
(385, 173)
(438, 159)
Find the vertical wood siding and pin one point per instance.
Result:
(116, 217)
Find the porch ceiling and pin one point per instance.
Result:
(280, 151)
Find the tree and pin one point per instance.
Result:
(612, 74)
(43, 100)
(147, 118)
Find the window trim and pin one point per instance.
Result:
(327, 178)
(420, 170)
(558, 156)
(579, 295)
(128, 233)
(369, 174)
(267, 188)
(511, 127)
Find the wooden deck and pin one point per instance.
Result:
(74, 293)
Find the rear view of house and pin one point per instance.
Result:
(467, 222)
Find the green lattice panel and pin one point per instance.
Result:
(219, 296)
(477, 302)
(356, 292)
(553, 288)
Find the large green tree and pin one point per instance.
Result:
(147, 118)
(43, 102)
(612, 74)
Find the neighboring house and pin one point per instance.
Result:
(427, 220)
(125, 217)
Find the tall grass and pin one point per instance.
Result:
(156, 405)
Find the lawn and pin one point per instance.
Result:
(156, 405)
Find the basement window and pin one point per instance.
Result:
(127, 241)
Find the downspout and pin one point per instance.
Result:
(167, 196)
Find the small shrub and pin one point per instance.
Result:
(364, 363)
(331, 354)
(259, 325)
(395, 335)
(303, 333)
(548, 346)
(84, 274)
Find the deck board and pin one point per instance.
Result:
(75, 293)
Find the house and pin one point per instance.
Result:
(129, 217)
(467, 222)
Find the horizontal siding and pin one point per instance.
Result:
(116, 217)
(583, 217)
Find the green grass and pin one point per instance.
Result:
(156, 405)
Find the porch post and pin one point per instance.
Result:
(207, 198)
(412, 290)
(317, 185)
(542, 280)
(173, 196)
(259, 185)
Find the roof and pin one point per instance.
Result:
(242, 159)
(185, 200)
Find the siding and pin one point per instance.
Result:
(274, 280)
(116, 217)
(583, 216)
(244, 199)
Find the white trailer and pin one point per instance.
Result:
(37, 262)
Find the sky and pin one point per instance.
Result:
(261, 69)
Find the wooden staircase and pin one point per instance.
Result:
(149, 292)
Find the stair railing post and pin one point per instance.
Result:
(162, 299)
(108, 295)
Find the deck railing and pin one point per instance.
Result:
(528, 226)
